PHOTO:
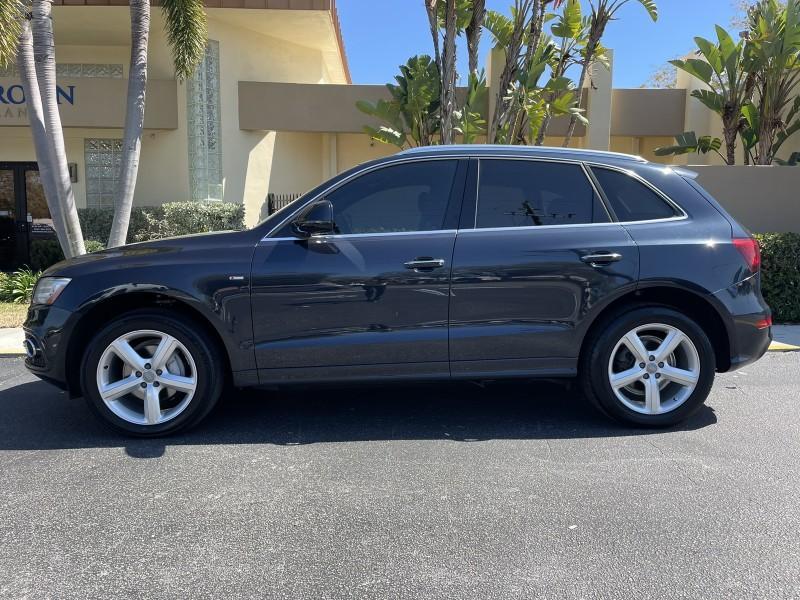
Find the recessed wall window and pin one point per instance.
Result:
(103, 157)
(113, 71)
(203, 120)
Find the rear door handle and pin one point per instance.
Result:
(425, 263)
(601, 258)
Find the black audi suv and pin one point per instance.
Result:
(473, 262)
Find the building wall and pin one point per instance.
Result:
(253, 162)
(258, 162)
(763, 199)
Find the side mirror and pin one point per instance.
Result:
(317, 221)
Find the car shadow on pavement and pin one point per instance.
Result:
(39, 417)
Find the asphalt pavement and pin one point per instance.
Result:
(437, 491)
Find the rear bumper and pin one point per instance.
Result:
(747, 316)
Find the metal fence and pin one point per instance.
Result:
(275, 202)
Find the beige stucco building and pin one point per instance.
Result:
(270, 110)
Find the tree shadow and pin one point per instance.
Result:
(40, 417)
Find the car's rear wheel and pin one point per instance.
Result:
(649, 366)
(151, 373)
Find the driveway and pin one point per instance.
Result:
(457, 491)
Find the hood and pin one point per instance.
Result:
(146, 253)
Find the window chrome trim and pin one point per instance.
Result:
(346, 236)
(573, 225)
(402, 160)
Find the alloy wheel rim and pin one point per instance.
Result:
(146, 377)
(654, 369)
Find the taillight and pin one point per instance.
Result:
(748, 248)
(764, 323)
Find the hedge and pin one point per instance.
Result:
(780, 274)
(167, 220)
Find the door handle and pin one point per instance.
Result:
(424, 263)
(601, 258)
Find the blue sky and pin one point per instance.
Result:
(381, 34)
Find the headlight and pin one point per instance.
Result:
(48, 289)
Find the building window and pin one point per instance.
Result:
(113, 71)
(203, 120)
(103, 157)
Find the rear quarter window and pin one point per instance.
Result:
(630, 199)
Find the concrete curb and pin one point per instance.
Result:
(781, 347)
(11, 339)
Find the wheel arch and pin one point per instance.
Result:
(103, 311)
(700, 307)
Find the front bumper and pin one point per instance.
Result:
(47, 329)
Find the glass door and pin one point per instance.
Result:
(25, 222)
(42, 239)
(8, 218)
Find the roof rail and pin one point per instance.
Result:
(532, 150)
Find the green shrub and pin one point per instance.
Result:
(167, 220)
(93, 246)
(96, 222)
(780, 274)
(46, 253)
(18, 286)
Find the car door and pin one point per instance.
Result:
(370, 299)
(537, 252)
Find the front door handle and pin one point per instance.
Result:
(601, 258)
(425, 263)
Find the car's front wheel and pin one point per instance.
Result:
(151, 373)
(649, 366)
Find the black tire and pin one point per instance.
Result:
(595, 359)
(203, 350)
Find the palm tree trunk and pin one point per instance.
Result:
(134, 122)
(591, 46)
(473, 33)
(432, 9)
(535, 34)
(543, 130)
(730, 133)
(45, 59)
(503, 110)
(41, 143)
(449, 72)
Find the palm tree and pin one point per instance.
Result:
(134, 122)
(775, 37)
(510, 35)
(11, 19)
(44, 57)
(27, 37)
(449, 72)
(41, 143)
(723, 69)
(473, 33)
(186, 28)
(602, 12)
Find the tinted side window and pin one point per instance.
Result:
(630, 199)
(524, 193)
(407, 197)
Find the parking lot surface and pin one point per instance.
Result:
(438, 491)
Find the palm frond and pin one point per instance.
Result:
(11, 15)
(186, 27)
